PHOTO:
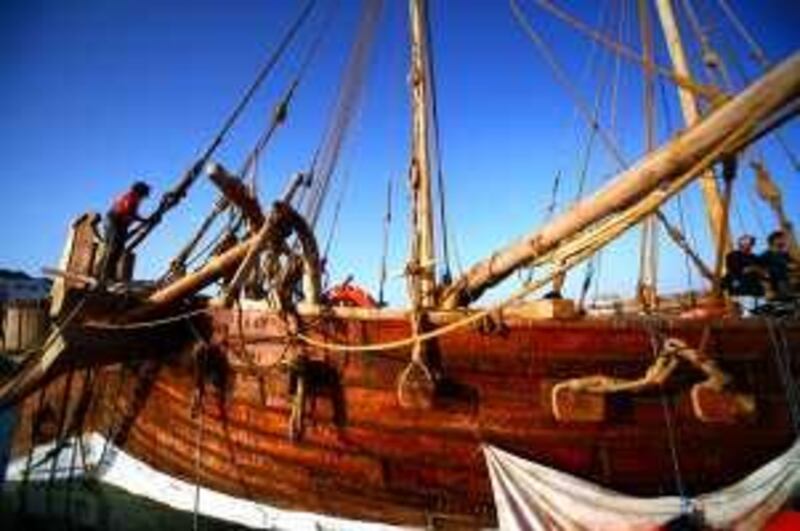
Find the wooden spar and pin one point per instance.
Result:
(249, 261)
(648, 258)
(423, 258)
(282, 221)
(691, 116)
(234, 191)
(729, 172)
(761, 101)
(206, 275)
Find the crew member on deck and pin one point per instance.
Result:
(123, 213)
(777, 263)
(744, 272)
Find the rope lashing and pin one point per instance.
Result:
(173, 196)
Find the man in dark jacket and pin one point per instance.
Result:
(744, 272)
(118, 220)
(777, 262)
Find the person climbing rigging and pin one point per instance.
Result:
(744, 271)
(123, 213)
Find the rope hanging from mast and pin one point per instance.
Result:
(281, 110)
(583, 107)
(387, 223)
(437, 155)
(171, 198)
(278, 118)
(619, 48)
(327, 155)
(757, 52)
(612, 80)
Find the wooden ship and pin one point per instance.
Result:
(280, 392)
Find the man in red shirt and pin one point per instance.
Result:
(123, 213)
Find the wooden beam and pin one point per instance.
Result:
(691, 115)
(423, 256)
(763, 100)
(237, 194)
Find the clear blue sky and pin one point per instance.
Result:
(97, 93)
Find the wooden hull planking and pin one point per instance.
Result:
(362, 455)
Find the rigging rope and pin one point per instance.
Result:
(758, 54)
(588, 150)
(178, 264)
(387, 222)
(757, 51)
(579, 249)
(691, 237)
(668, 421)
(571, 89)
(565, 82)
(113, 427)
(587, 245)
(282, 108)
(348, 98)
(586, 72)
(613, 78)
(612, 119)
(278, 117)
(335, 219)
(434, 110)
(172, 197)
(712, 63)
(551, 207)
(622, 50)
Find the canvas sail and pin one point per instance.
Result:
(530, 496)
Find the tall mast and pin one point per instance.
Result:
(648, 267)
(691, 115)
(423, 258)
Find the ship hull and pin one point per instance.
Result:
(225, 411)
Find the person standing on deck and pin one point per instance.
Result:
(744, 271)
(777, 262)
(118, 220)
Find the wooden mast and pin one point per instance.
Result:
(648, 266)
(691, 114)
(763, 101)
(421, 268)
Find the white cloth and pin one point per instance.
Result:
(115, 467)
(529, 496)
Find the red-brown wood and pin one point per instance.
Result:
(362, 455)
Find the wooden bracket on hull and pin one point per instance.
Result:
(571, 405)
(548, 309)
(584, 399)
(717, 406)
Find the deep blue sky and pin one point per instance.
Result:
(97, 93)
